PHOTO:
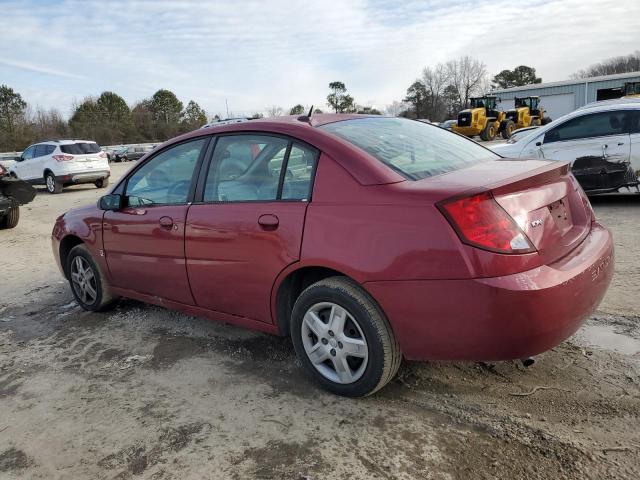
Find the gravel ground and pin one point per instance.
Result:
(142, 392)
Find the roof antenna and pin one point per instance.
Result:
(307, 117)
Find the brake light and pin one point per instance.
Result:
(480, 222)
(62, 158)
(102, 154)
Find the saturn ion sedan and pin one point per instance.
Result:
(366, 239)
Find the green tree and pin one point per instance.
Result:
(86, 120)
(193, 116)
(517, 77)
(167, 110)
(297, 110)
(339, 99)
(115, 115)
(417, 98)
(144, 125)
(12, 118)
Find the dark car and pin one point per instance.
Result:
(366, 239)
(130, 153)
(13, 193)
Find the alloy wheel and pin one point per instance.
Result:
(334, 343)
(51, 183)
(83, 280)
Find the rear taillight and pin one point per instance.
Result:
(102, 154)
(62, 158)
(480, 222)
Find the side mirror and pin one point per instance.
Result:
(110, 202)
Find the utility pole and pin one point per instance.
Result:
(227, 104)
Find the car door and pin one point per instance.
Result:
(144, 241)
(247, 224)
(24, 167)
(634, 132)
(597, 145)
(39, 159)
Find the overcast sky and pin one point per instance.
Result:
(262, 53)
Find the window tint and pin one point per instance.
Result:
(635, 120)
(41, 150)
(300, 167)
(166, 178)
(28, 153)
(414, 149)
(591, 125)
(82, 148)
(245, 167)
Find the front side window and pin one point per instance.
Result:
(590, 125)
(28, 153)
(165, 178)
(245, 168)
(414, 149)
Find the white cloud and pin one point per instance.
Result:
(285, 52)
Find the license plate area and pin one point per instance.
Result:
(561, 214)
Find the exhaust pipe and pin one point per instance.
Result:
(527, 362)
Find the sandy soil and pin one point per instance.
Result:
(142, 392)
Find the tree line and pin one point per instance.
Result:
(439, 93)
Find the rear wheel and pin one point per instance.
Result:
(10, 220)
(102, 182)
(508, 129)
(343, 339)
(88, 285)
(53, 186)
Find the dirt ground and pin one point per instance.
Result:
(142, 392)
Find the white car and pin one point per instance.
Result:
(602, 144)
(59, 163)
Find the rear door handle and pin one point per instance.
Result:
(268, 221)
(166, 222)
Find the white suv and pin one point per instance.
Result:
(58, 163)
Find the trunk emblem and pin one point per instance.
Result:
(536, 223)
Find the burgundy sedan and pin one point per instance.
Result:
(367, 239)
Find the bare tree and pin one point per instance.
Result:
(611, 66)
(468, 76)
(395, 108)
(435, 81)
(274, 111)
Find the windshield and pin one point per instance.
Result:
(414, 149)
(80, 148)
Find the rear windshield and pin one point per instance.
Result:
(414, 149)
(80, 148)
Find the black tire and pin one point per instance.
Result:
(383, 351)
(103, 298)
(124, 159)
(489, 132)
(507, 129)
(102, 182)
(10, 220)
(53, 185)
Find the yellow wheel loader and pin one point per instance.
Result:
(482, 118)
(527, 113)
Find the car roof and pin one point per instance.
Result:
(616, 101)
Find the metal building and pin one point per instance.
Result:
(560, 98)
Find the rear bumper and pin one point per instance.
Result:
(83, 177)
(501, 318)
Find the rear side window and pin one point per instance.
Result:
(591, 125)
(80, 148)
(414, 149)
(41, 150)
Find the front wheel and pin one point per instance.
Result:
(343, 339)
(507, 129)
(88, 285)
(10, 220)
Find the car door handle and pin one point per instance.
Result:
(604, 151)
(166, 222)
(620, 144)
(268, 221)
